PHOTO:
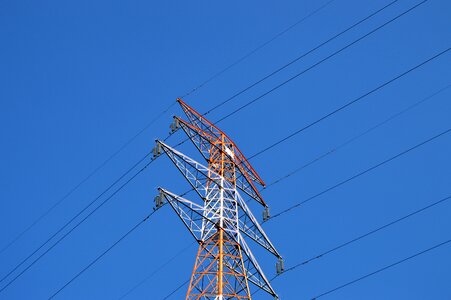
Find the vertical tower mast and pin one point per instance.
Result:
(224, 264)
(219, 271)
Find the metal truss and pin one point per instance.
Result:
(198, 175)
(193, 215)
(204, 134)
(201, 140)
(222, 222)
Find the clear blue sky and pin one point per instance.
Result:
(79, 78)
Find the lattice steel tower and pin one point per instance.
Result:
(224, 264)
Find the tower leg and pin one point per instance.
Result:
(218, 272)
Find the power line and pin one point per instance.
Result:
(341, 108)
(78, 224)
(351, 140)
(121, 148)
(113, 245)
(368, 233)
(378, 125)
(102, 254)
(361, 173)
(347, 104)
(129, 141)
(76, 216)
(382, 269)
(176, 290)
(97, 169)
(118, 152)
(255, 50)
(287, 65)
(341, 183)
(347, 180)
(84, 180)
(301, 56)
(355, 138)
(147, 126)
(392, 117)
(350, 103)
(350, 241)
(320, 62)
(183, 250)
(411, 9)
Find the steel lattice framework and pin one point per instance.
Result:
(224, 265)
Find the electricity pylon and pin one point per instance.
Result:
(224, 265)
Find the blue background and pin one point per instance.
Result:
(79, 78)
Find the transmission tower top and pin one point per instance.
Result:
(221, 222)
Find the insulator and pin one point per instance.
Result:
(159, 200)
(280, 268)
(157, 150)
(174, 126)
(266, 214)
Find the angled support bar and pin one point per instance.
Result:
(190, 213)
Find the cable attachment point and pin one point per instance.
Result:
(157, 150)
(174, 125)
(159, 200)
(266, 214)
(280, 267)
